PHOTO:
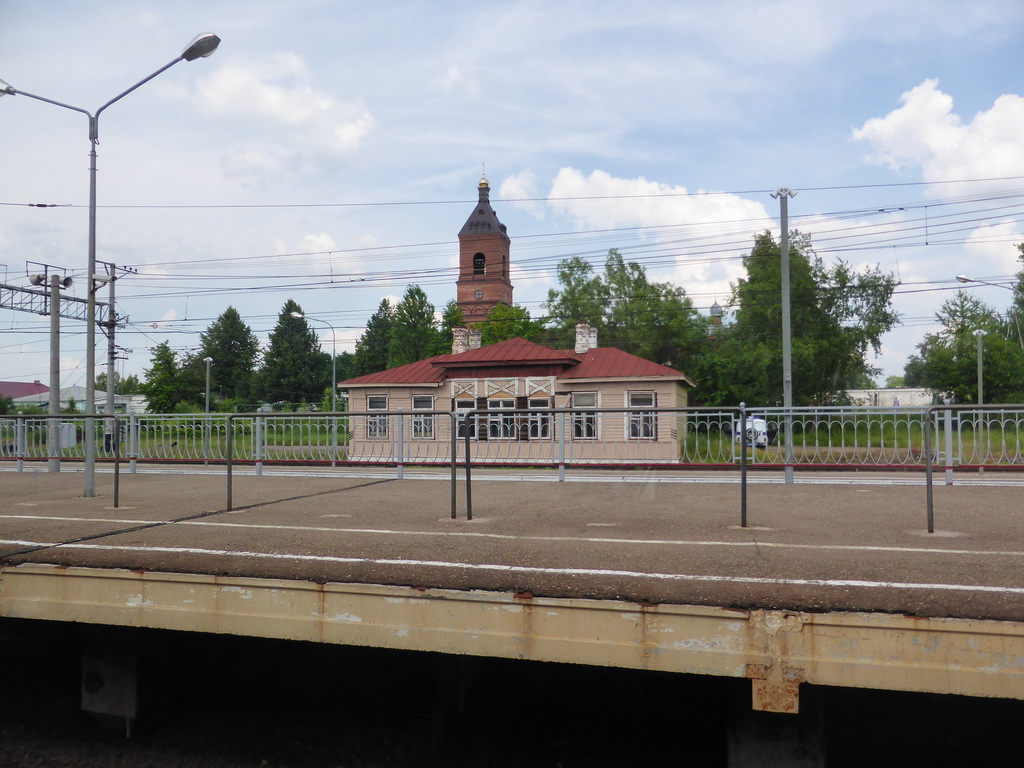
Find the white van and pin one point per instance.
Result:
(757, 432)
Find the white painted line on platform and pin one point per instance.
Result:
(514, 537)
(594, 572)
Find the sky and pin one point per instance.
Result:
(330, 151)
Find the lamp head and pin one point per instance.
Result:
(6, 89)
(297, 315)
(964, 279)
(201, 47)
(207, 360)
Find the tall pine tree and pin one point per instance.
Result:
(234, 349)
(414, 333)
(371, 353)
(294, 369)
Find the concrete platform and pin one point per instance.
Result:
(836, 584)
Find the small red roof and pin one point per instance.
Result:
(612, 363)
(516, 350)
(16, 389)
(518, 353)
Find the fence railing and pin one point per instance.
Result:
(826, 437)
(56, 437)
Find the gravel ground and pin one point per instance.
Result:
(220, 702)
(234, 703)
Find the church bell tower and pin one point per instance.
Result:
(483, 261)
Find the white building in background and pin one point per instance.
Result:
(892, 398)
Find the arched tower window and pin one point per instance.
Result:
(479, 264)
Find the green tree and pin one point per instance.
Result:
(6, 405)
(1015, 319)
(581, 297)
(655, 321)
(371, 353)
(505, 322)
(129, 385)
(947, 360)
(837, 316)
(451, 318)
(234, 350)
(414, 333)
(164, 384)
(294, 369)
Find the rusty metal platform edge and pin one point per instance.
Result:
(776, 650)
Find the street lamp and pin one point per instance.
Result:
(334, 381)
(206, 449)
(207, 360)
(200, 47)
(966, 279)
(1012, 289)
(783, 194)
(334, 356)
(980, 336)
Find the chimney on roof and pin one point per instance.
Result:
(460, 341)
(586, 338)
(473, 338)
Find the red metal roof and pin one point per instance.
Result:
(517, 350)
(612, 363)
(516, 357)
(16, 389)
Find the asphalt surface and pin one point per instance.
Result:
(843, 542)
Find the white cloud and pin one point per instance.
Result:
(453, 79)
(925, 132)
(602, 201)
(522, 187)
(279, 106)
(991, 246)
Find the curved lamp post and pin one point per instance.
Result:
(1012, 289)
(334, 381)
(334, 356)
(200, 47)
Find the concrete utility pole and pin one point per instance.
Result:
(980, 336)
(783, 194)
(53, 448)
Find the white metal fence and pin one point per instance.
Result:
(838, 437)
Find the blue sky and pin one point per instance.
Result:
(329, 151)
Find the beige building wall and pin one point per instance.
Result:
(613, 439)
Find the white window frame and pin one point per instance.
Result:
(585, 426)
(465, 404)
(540, 423)
(422, 426)
(376, 426)
(501, 425)
(642, 426)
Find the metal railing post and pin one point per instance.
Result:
(561, 446)
(334, 440)
(948, 421)
(19, 442)
(469, 481)
(117, 460)
(400, 448)
(133, 443)
(454, 421)
(258, 440)
(230, 457)
(743, 465)
(928, 469)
